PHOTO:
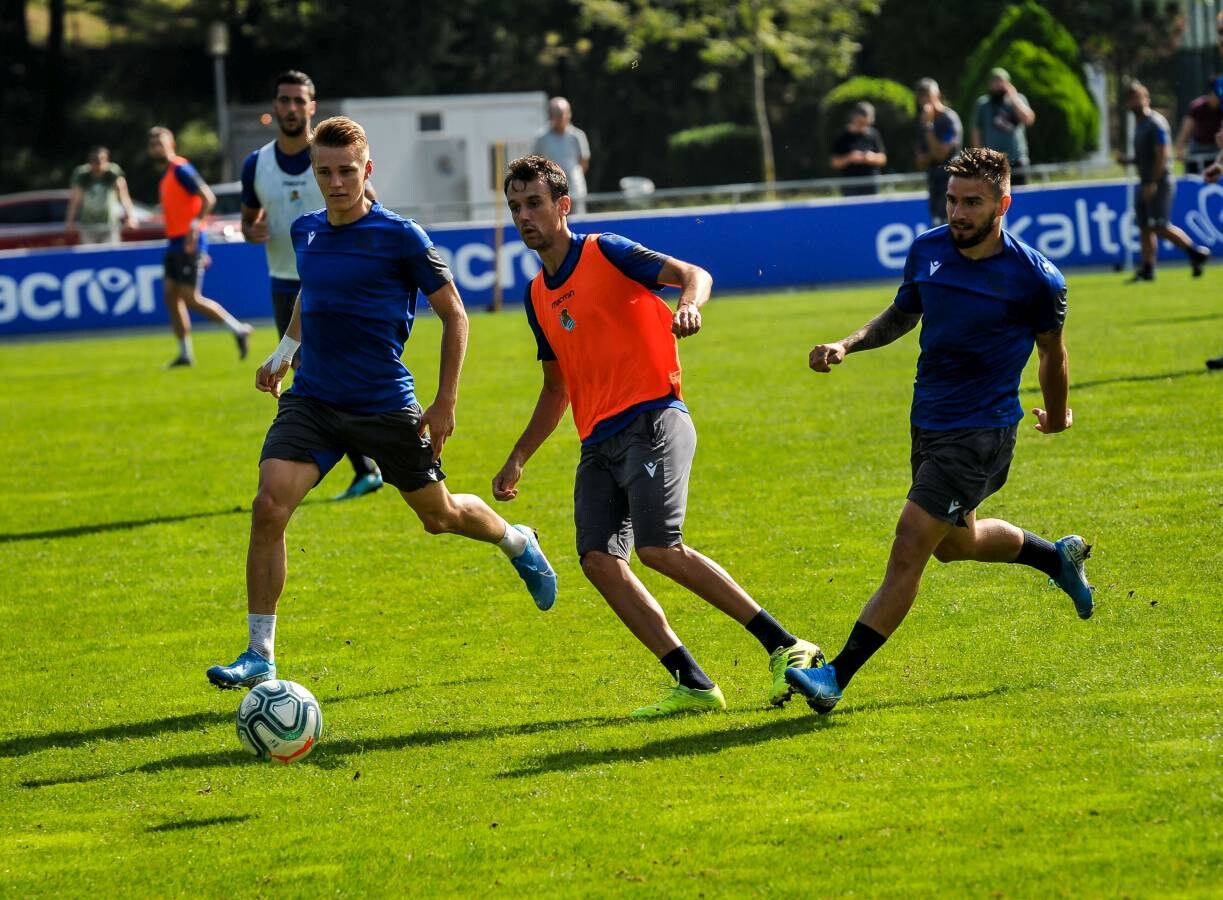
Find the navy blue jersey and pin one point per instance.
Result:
(638, 263)
(359, 285)
(979, 322)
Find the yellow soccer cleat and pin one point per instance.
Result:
(680, 699)
(803, 655)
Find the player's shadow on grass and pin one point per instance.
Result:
(187, 824)
(1128, 379)
(72, 531)
(333, 753)
(1177, 320)
(725, 738)
(23, 746)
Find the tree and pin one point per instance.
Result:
(809, 40)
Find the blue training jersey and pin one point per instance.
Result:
(637, 262)
(980, 319)
(359, 286)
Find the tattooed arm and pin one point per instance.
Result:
(886, 327)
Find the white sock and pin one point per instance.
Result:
(514, 543)
(184, 346)
(231, 323)
(262, 634)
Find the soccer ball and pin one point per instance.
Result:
(279, 720)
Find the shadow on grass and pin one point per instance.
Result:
(187, 824)
(332, 753)
(126, 525)
(1177, 320)
(1128, 379)
(24, 746)
(726, 738)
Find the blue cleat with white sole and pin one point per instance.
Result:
(534, 569)
(819, 687)
(1073, 578)
(246, 671)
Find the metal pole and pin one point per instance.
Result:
(498, 213)
(218, 74)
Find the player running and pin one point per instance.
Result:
(277, 188)
(186, 200)
(607, 344)
(983, 297)
(361, 267)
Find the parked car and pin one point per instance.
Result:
(36, 219)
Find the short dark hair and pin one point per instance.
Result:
(988, 165)
(293, 76)
(97, 150)
(529, 168)
(863, 108)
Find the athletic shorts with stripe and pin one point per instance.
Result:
(632, 489)
(307, 430)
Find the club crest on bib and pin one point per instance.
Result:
(567, 320)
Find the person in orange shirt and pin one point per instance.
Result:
(608, 348)
(186, 200)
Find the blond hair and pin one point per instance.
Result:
(340, 131)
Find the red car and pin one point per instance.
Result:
(36, 219)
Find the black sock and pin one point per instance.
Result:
(769, 632)
(1039, 554)
(681, 665)
(861, 646)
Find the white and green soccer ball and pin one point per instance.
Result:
(279, 720)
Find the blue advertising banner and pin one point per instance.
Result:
(746, 247)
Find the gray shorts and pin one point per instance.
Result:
(633, 487)
(953, 471)
(1156, 212)
(306, 430)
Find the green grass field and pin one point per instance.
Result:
(997, 746)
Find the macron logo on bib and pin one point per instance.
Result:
(934, 266)
(310, 238)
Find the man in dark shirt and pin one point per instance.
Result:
(984, 299)
(940, 135)
(858, 151)
(1195, 142)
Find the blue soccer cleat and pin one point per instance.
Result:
(1073, 577)
(818, 686)
(246, 671)
(533, 568)
(361, 485)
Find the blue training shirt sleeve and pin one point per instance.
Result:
(188, 178)
(249, 197)
(426, 266)
(1049, 303)
(544, 351)
(908, 297)
(637, 262)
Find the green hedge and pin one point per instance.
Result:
(1028, 21)
(722, 153)
(895, 109)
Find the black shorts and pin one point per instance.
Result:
(282, 310)
(183, 267)
(1154, 213)
(633, 487)
(953, 471)
(307, 430)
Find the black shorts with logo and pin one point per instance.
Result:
(308, 430)
(633, 487)
(1157, 211)
(183, 267)
(953, 471)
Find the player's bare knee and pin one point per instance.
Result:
(598, 566)
(439, 521)
(268, 513)
(661, 559)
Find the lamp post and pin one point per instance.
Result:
(218, 49)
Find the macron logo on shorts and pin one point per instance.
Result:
(934, 266)
(955, 505)
(651, 468)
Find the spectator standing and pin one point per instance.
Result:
(858, 151)
(99, 190)
(1000, 121)
(1195, 142)
(940, 135)
(566, 145)
(1156, 188)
